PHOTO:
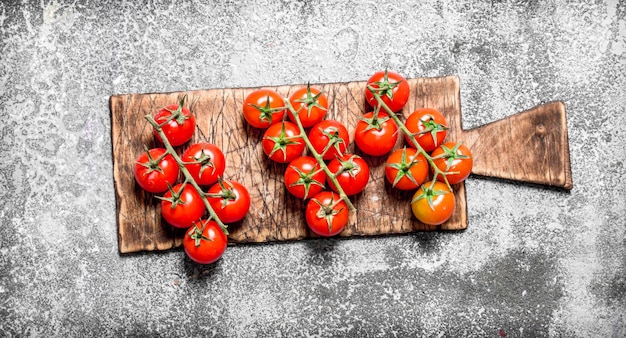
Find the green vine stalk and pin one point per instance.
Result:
(411, 136)
(319, 157)
(188, 178)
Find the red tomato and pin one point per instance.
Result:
(434, 204)
(429, 127)
(155, 169)
(304, 177)
(392, 87)
(376, 136)
(352, 173)
(182, 205)
(327, 214)
(205, 242)
(329, 138)
(230, 200)
(406, 169)
(455, 159)
(282, 142)
(310, 104)
(177, 122)
(205, 162)
(263, 107)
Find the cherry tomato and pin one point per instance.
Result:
(205, 242)
(263, 107)
(304, 177)
(406, 169)
(352, 173)
(230, 200)
(454, 158)
(433, 204)
(178, 123)
(205, 162)
(182, 205)
(327, 214)
(429, 127)
(310, 104)
(376, 136)
(155, 169)
(392, 87)
(282, 142)
(329, 138)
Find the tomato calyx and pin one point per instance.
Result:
(266, 113)
(328, 211)
(349, 166)
(153, 164)
(176, 114)
(334, 140)
(384, 87)
(374, 122)
(451, 155)
(429, 193)
(197, 234)
(310, 101)
(175, 200)
(306, 180)
(205, 161)
(282, 141)
(226, 194)
(432, 127)
(404, 168)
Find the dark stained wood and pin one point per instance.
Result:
(274, 214)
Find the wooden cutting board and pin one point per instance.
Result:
(531, 146)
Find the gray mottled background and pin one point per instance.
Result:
(534, 261)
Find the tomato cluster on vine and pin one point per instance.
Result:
(182, 181)
(320, 169)
(426, 163)
(315, 149)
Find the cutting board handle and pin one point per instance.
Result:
(530, 146)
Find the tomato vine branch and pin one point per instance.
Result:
(188, 178)
(318, 157)
(411, 136)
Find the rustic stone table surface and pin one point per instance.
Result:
(534, 261)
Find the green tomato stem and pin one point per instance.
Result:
(318, 157)
(188, 178)
(411, 136)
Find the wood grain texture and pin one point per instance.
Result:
(275, 215)
(531, 146)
